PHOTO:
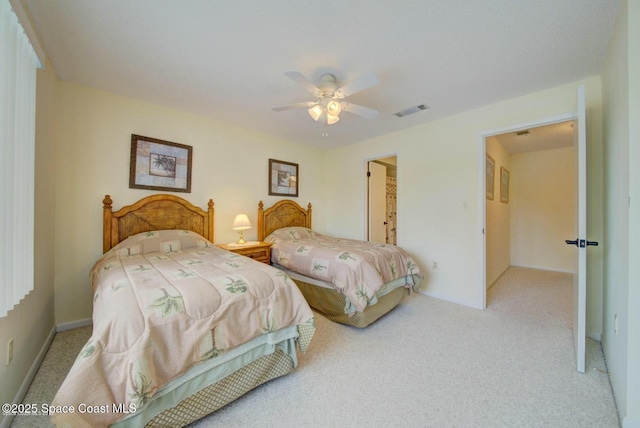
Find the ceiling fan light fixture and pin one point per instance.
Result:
(334, 108)
(315, 112)
(329, 97)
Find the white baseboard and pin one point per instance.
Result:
(595, 336)
(73, 324)
(543, 268)
(6, 422)
(447, 299)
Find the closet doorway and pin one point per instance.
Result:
(381, 197)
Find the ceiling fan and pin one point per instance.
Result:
(329, 97)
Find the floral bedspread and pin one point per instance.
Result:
(163, 302)
(357, 269)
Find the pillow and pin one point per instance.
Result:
(165, 241)
(290, 234)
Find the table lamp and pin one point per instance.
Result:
(241, 223)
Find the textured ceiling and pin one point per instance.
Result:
(225, 59)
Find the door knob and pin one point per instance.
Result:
(571, 242)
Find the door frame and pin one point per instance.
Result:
(365, 189)
(481, 294)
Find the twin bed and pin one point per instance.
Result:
(347, 281)
(182, 327)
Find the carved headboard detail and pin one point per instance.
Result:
(155, 212)
(285, 213)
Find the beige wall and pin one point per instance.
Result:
(542, 209)
(31, 322)
(498, 217)
(230, 165)
(439, 169)
(621, 95)
(435, 179)
(633, 299)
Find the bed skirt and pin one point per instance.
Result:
(330, 304)
(220, 394)
(203, 390)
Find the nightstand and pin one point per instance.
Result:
(259, 251)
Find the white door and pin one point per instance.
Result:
(377, 202)
(581, 243)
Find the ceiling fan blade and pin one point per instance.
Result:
(303, 81)
(360, 84)
(365, 112)
(292, 106)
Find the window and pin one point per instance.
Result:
(18, 63)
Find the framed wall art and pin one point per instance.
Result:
(159, 165)
(504, 185)
(283, 178)
(490, 173)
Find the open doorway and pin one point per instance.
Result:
(530, 200)
(575, 124)
(381, 196)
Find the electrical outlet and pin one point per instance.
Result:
(9, 351)
(615, 324)
(434, 265)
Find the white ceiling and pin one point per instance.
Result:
(225, 59)
(546, 137)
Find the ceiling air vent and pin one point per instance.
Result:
(412, 110)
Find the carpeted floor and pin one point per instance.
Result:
(428, 363)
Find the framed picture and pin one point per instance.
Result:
(159, 165)
(504, 185)
(490, 173)
(283, 178)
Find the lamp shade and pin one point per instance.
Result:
(334, 108)
(332, 119)
(315, 112)
(241, 222)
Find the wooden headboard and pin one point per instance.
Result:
(285, 213)
(155, 212)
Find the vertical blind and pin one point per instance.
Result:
(18, 63)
